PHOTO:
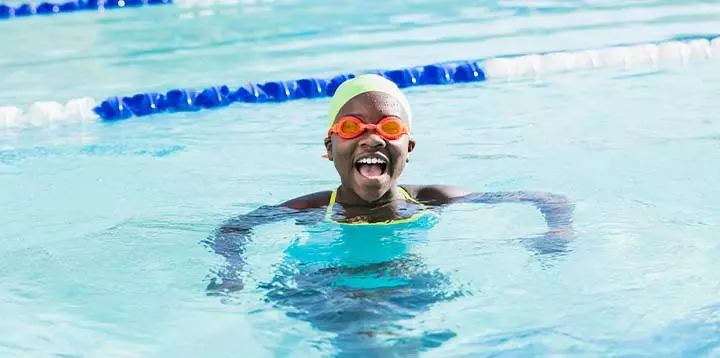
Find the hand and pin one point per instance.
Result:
(561, 234)
(226, 286)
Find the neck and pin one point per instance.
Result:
(347, 197)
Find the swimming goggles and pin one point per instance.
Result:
(350, 127)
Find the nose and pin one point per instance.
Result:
(371, 140)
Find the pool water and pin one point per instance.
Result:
(101, 224)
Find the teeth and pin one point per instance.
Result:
(372, 161)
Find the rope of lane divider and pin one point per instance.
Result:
(49, 8)
(186, 100)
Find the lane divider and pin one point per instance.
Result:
(189, 99)
(8, 12)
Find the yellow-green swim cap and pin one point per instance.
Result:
(362, 84)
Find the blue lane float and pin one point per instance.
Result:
(48, 8)
(188, 100)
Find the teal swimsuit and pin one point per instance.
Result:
(356, 278)
(353, 245)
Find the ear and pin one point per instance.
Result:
(328, 147)
(411, 145)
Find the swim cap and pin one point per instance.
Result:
(361, 84)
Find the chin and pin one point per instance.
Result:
(372, 193)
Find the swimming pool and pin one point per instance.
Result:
(102, 222)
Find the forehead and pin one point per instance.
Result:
(372, 107)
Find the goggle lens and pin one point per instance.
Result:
(350, 127)
(391, 128)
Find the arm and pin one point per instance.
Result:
(231, 239)
(556, 208)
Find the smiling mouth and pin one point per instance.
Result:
(371, 167)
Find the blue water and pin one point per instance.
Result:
(101, 224)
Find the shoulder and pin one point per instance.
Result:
(436, 194)
(309, 201)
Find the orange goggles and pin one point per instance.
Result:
(350, 127)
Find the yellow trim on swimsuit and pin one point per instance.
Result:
(424, 211)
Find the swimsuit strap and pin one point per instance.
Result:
(410, 198)
(328, 212)
(333, 197)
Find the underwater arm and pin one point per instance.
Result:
(230, 241)
(556, 208)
